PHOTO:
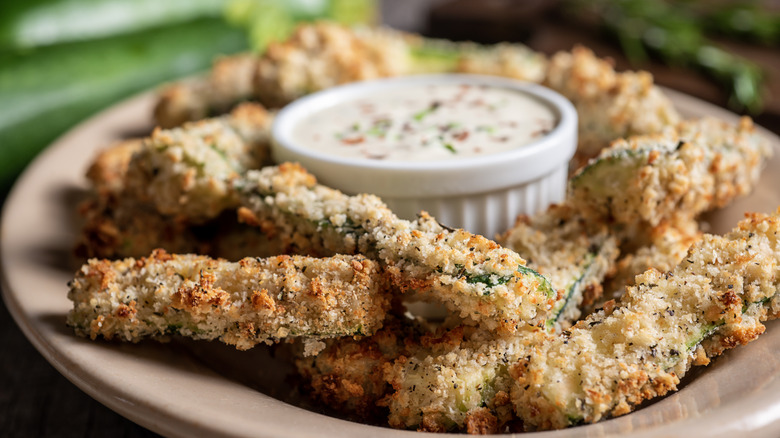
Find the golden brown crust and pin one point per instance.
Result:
(322, 55)
(108, 169)
(207, 298)
(481, 422)
(228, 83)
(607, 364)
(348, 375)
(610, 104)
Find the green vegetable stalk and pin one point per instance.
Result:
(33, 23)
(48, 90)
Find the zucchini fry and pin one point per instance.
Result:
(576, 255)
(123, 227)
(187, 172)
(674, 176)
(242, 304)
(160, 193)
(457, 381)
(472, 276)
(610, 105)
(610, 362)
(323, 55)
(445, 380)
(228, 83)
(348, 375)
(665, 246)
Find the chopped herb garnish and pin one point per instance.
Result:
(426, 112)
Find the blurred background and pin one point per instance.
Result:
(64, 60)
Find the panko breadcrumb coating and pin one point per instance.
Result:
(116, 226)
(187, 172)
(609, 104)
(228, 83)
(457, 380)
(700, 165)
(576, 254)
(108, 169)
(348, 375)
(323, 54)
(610, 362)
(472, 276)
(662, 249)
(242, 303)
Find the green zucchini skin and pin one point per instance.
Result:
(639, 348)
(48, 90)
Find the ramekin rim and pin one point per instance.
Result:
(285, 120)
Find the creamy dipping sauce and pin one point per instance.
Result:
(428, 123)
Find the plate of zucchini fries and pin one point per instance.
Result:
(638, 306)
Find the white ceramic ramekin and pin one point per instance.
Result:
(483, 195)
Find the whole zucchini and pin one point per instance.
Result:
(48, 90)
(33, 23)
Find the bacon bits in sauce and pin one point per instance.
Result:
(428, 123)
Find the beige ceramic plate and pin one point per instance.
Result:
(196, 389)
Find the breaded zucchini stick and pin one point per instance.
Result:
(662, 249)
(116, 223)
(700, 165)
(116, 226)
(187, 172)
(241, 304)
(108, 169)
(610, 362)
(121, 227)
(228, 83)
(610, 104)
(472, 276)
(348, 375)
(575, 254)
(322, 55)
(457, 381)
(446, 380)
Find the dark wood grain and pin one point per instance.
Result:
(37, 401)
